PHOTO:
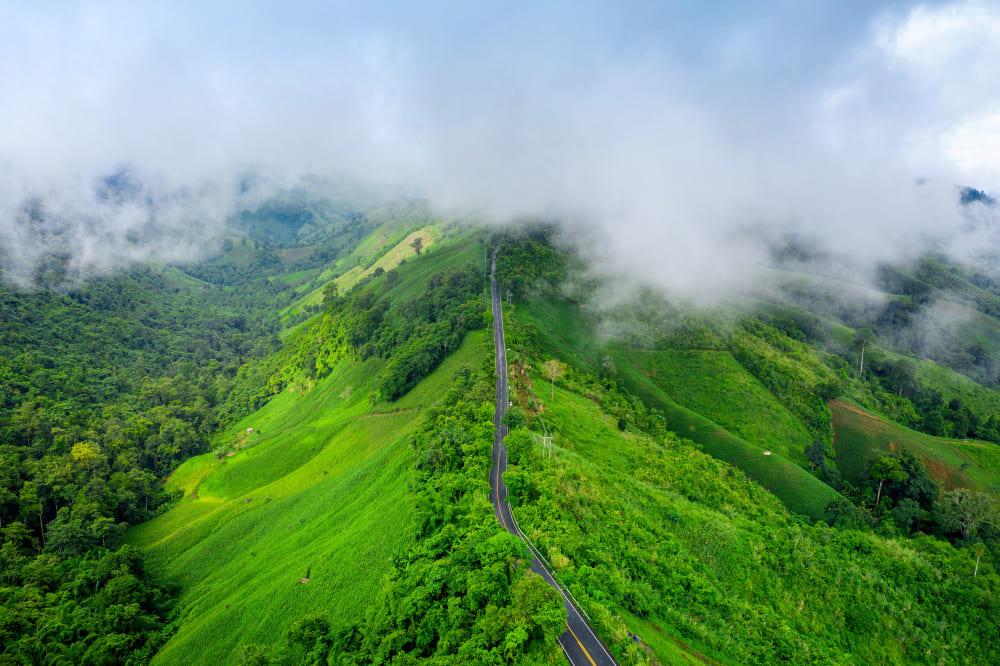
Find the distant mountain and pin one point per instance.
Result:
(971, 195)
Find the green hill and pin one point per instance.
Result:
(562, 328)
(859, 436)
(714, 384)
(798, 489)
(319, 491)
(329, 498)
(659, 540)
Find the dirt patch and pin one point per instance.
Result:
(939, 472)
(291, 254)
(851, 408)
(395, 411)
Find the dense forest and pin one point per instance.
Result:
(107, 384)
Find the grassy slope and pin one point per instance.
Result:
(401, 251)
(736, 579)
(956, 385)
(859, 435)
(715, 385)
(800, 491)
(616, 468)
(561, 327)
(322, 488)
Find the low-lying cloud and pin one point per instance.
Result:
(675, 144)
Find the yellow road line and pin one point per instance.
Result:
(499, 509)
(592, 662)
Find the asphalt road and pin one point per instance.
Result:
(579, 642)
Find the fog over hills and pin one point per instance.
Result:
(676, 145)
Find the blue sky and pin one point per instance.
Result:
(681, 122)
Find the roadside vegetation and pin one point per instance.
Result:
(689, 552)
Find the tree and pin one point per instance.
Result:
(919, 486)
(391, 279)
(907, 514)
(842, 514)
(519, 445)
(815, 454)
(886, 468)
(554, 370)
(30, 498)
(330, 294)
(514, 418)
(967, 511)
(904, 375)
(863, 338)
(417, 244)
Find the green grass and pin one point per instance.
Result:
(799, 490)
(300, 276)
(241, 252)
(662, 541)
(462, 249)
(562, 329)
(859, 436)
(321, 485)
(391, 231)
(715, 385)
(453, 250)
(668, 649)
(176, 276)
(955, 385)
(401, 251)
(623, 485)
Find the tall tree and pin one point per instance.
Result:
(967, 511)
(886, 468)
(554, 370)
(863, 338)
(815, 454)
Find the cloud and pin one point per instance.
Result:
(679, 142)
(948, 54)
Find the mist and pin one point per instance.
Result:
(674, 145)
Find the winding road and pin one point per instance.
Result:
(579, 642)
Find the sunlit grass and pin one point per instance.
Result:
(320, 488)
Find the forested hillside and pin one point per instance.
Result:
(107, 385)
(699, 562)
(281, 456)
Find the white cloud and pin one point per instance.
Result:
(974, 146)
(950, 54)
(940, 39)
(668, 154)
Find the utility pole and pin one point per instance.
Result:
(547, 445)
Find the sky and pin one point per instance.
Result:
(673, 140)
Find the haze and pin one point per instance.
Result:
(674, 143)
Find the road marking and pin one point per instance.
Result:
(565, 651)
(592, 662)
(500, 510)
(501, 368)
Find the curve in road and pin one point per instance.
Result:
(579, 642)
